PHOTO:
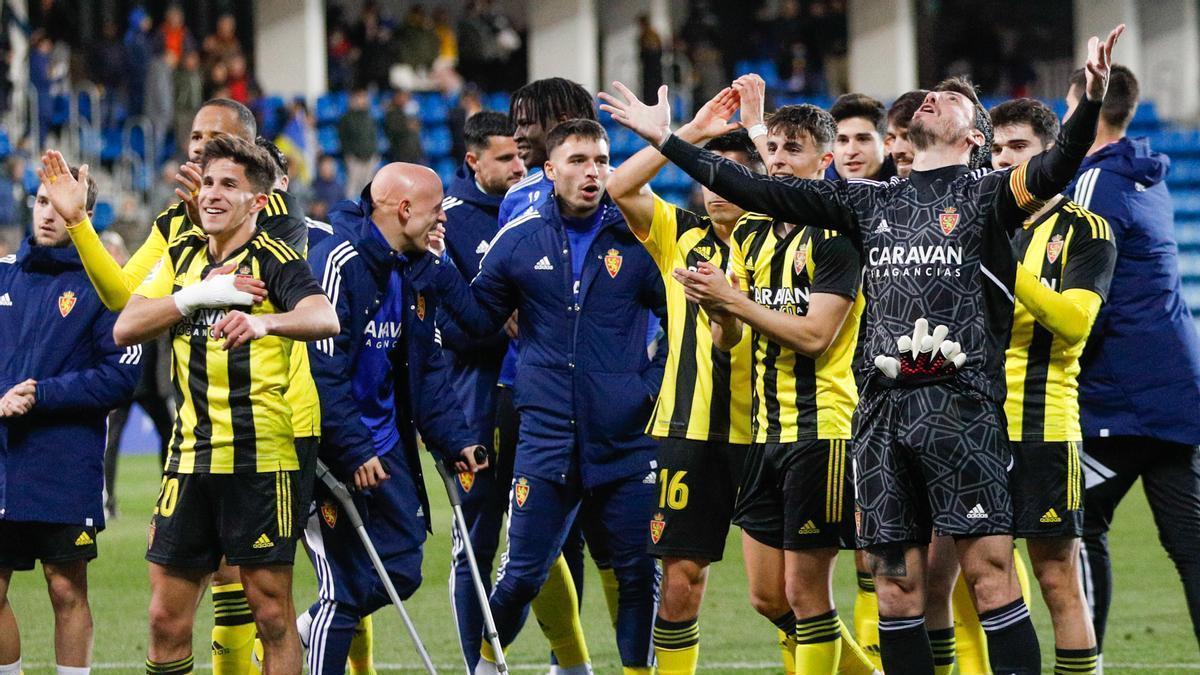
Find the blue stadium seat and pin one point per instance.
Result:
(110, 148)
(436, 141)
(434, 108)
(672, 179)
(445, 168)
(677, 197)
(327, 139)
(1176, 141)
(5, 144)
(624, 142)
(267, 109)
(1145, 119)
(103, 216)
(1184, 172)
(60, 109)
(331, 107)
(1187, 202)
(498, 100)
(85, 106)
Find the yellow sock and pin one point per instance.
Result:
(608, 582)
(256, 657)
(646, 670)
(360, 660)
(1022, 574)
(557, 610)
(487, 653)
(818, 644)
(677, 646)
(785, 629)
(866, 619)
(969, 640)
(233, 630)
(855, 660)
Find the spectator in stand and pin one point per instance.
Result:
(298, 141)
(160, 97)
(476, 43)
(415, 43)
(650, 57)
(375, 60)
(216, 85)
(342, 57)
(356, 131)
(327, 188)
(139, 49)
(469, 103)
(223, 44)
(107, 61)
(447, 40)
(188, 87)
(403, 130)
(242, 87)
(12, 194)
(173, 35)
(40, 80)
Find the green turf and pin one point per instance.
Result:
(1149, 630)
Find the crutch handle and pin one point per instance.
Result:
(339, 492)
(447, 471)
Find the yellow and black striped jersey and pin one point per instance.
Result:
(705, 394)
(796, 397)
(1066, 247)
(232, 411)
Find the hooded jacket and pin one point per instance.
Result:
(355, 266)
(54, 329)
(1141, 369)
(475, 363)
(585, 385)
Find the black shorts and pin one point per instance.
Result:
(247, 518)
(306, 454)
(793, 495)
(24, 542)
(928, 458)
(697, 488)
(1047, 489)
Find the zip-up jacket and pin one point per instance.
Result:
(585, 386)
(54, 329)
(355, 267)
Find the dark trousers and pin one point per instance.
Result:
(1170, 474)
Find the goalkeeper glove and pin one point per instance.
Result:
(217, 291)
(924, 356)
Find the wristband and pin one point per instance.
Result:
(757, 130)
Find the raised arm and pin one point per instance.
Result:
(1049, 173)
(790, 199)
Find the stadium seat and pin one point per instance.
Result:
(60, 109)
(1187, 203)
(434, 108)
(436, 141)
(445, 168)
(672, 179)
(5, 145)
(103, 216)
(498, 100)
(110, 148)
(331, 107)
(327, 139)
(1184, 172)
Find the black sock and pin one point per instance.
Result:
(904, 645)
(1012, 642)
(944, 647)
(1076, 661)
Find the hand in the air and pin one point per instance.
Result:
(923, 356)
(1099, 63)
(652, 123)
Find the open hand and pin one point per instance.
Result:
(752, 92)
(652, 123)
(67, 194)
(1099, 63)
(712, 119)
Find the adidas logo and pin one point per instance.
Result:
(882, 227)
(219, 649)
(977, 513)
(482, 247)
(544, 264)
(83, 539)
(810, 528)
(649, 479)
(263, 542)
(420, 511)
(5, 301)
(1051, 516)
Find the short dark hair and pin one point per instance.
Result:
(277, 156)
(982, 155)
(904, 107)
(245, 117)
(1029, 111)
(735, 141)
(480, 127)
(1121, 98)
(550, 99)
(791, 120)
(258, 165)
(860, 105)
(93, 190)
(589, 129)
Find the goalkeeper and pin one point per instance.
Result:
(930, 445)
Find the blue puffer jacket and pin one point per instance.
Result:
(1141, 368)
(585, 386)
(54, 329)
(474, 362)
(354, 266)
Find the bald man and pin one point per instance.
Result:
(370, 411)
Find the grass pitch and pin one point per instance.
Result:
(1149, 630)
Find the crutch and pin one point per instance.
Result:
(460, 522)
(343, 496)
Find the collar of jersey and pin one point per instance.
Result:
(944, 173)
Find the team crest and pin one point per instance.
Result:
(521, 491)
(329, 514)
(948, 219)
(1054, 247)
(245, 271)
(66, 302)
(612, 262)
(467, 480)
(799, 260)
(656, 527)
(420, 307)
